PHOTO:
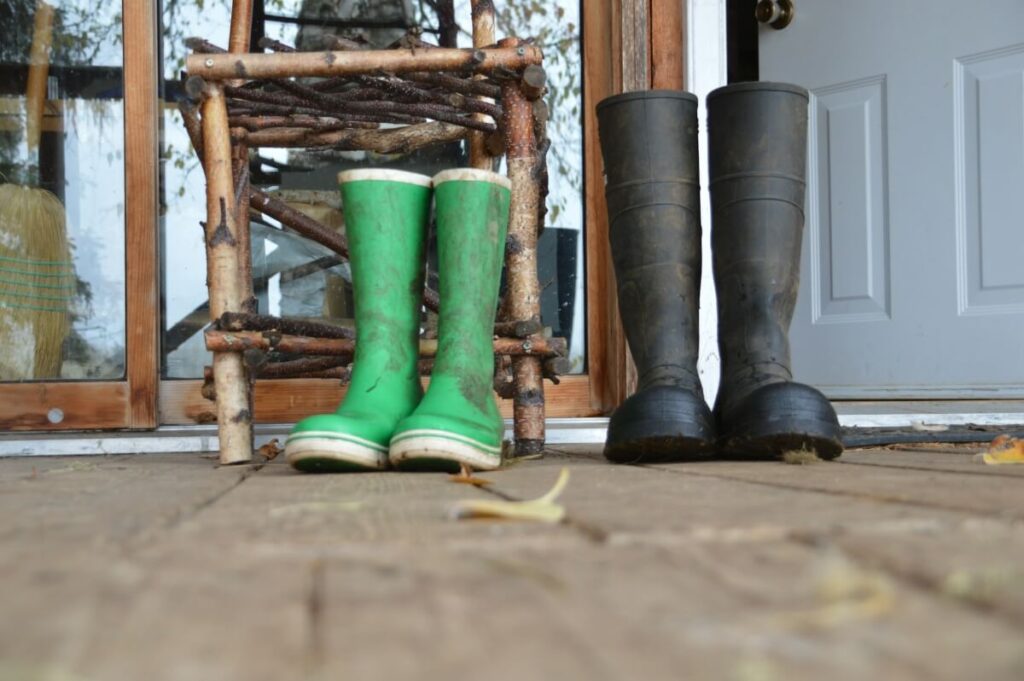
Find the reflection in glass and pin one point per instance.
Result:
(62, 294)
(297, 278)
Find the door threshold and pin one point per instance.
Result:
(920, 414)
(925, 416)
(197, 439)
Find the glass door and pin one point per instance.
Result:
(76, 344)
(295, 277)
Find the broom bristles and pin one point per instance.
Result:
(37, 283)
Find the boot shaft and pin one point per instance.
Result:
(758, 148)
(386, 214)
(649, 144)
(472, 209)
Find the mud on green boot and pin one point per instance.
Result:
(458, 420)
(386, 215)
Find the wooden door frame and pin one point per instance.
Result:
(132, 401)
(643, 54)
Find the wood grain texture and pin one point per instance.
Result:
(938, 458)
(141, 186)
(655, 576)
(523, 298)
(241, 26)
(313, 64)
(668, 41)
(234, 413)
(636, 18)
(83, 406)
(641, 505)
(484, 35)
(288, 400)
(607, 353)
(636, 44)
(977, 494)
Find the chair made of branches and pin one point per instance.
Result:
(338, 98)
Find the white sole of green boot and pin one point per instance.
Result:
(326, 452)
(442, 451)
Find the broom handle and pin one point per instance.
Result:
(38, 70)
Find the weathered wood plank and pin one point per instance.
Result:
(631, 504)
(142, 277)
(977, 562)
(162, 567)
(179, 612)
(288, 400)
(988, 495)
(606, 342)
(353, 514)
(636, 39)
(668, 43)
(957, 460)
(699, 611)
(103, 500)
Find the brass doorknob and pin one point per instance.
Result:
(776, 13)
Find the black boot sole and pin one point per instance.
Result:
(659, 450)
(661, 424)
(778, 419)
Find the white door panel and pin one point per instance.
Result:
(913, 265)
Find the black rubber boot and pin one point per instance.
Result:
(758, 146)
(649, 143)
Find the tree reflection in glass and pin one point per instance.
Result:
(297, 278)
(62, 290)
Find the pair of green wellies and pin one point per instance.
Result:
(385, 419)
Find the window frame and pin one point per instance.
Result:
(129, 402)
(642, 54)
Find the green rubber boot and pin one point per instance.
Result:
(386, 215)
(458, 420)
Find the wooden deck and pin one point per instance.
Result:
(890, 564)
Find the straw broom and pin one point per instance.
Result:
(37, 279)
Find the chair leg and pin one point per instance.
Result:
(521, 261)
(234, 417)
(483, 36)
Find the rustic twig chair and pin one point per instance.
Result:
(490, 94)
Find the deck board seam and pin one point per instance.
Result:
(913, 579)
(196, 509)
(589, 531)
(991, 473)
(884, 499)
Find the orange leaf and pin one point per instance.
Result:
(1004, 450)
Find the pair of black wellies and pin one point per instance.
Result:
(757, 149)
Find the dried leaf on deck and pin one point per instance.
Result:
(846, 593)
(543, 509)
(1004, 450)
(270, 450)
(800, 457)
(466, 477)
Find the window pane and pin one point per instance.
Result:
(296, 277)
(62, 271)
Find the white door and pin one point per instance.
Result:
(913, 261)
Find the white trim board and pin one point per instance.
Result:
(195, 439)
(562, 431)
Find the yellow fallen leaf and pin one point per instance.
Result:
(1004, 450)
(542, 510)
(466, 477)
(987, 585)
(846, 593)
